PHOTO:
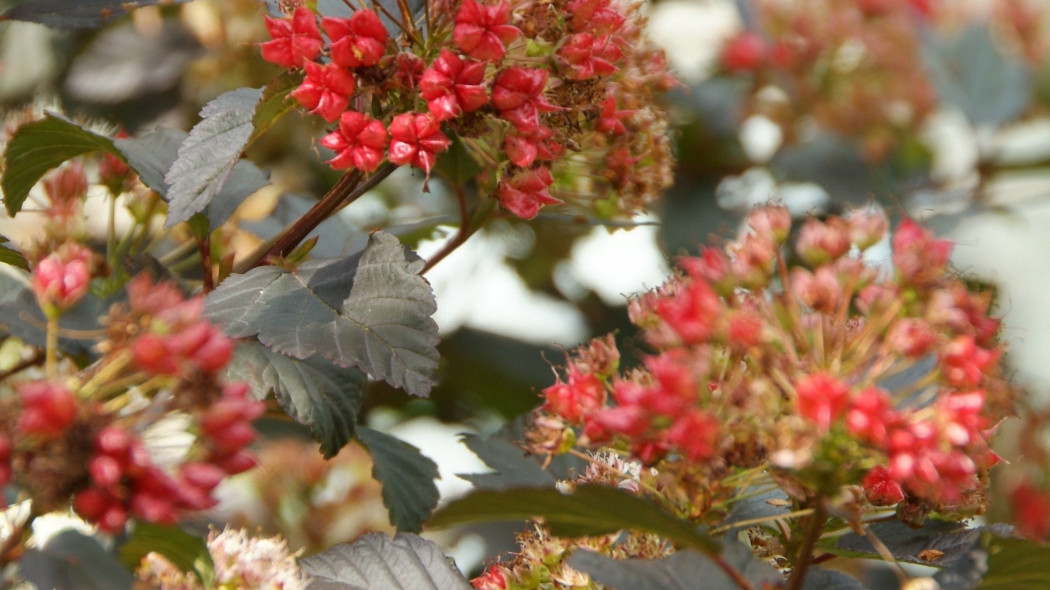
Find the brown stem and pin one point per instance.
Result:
(349, 187)
(814, 527)
(204, 247)
(460, 237)
(32, 361)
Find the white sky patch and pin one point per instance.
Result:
(477, 289)
(619, 264)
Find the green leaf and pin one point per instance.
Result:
(13, 257)
(274, 103)
(512, 468)
(588, 510)
(76, 14)
(314, 392)
(1017, 563)
(207, 158)
(371, 311)
(39, 146)
(409, 492)
(679, 571)
(187, 552)
(377, 562)
(456, 163)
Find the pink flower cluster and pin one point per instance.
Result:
(756, 362)
(465, 71)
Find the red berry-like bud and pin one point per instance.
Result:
(106, 470)
(581, 395)
(880, 489)
(68, 183)
(152, 353)
(153, 508)
(215, 353)
(821, 398)
(47, 409)
(238, 462)
(744, 53)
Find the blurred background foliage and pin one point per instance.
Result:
(927, 108)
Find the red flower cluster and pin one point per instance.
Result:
(77, 445)
(125, 481)
(756, 363)
(580, 71)
(178, 340)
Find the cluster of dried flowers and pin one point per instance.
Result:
(241, 561)
(77, 435)
(798, 362)
(539, 94)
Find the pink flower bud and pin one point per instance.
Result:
(820, 242)
(867, 227)
(772, 220)
(62, 278)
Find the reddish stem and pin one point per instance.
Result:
(461, 235)
(349, 187)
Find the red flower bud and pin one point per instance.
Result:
(47, 409)
(326, 90)
(356, 41)
(482, 31)
(526, 192)
(295, 41)
(359, 142)
(416, 139)
(452, 86)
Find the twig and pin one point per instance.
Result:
(814, 526)
(33, 360)
(461, 235)
(350, 187)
